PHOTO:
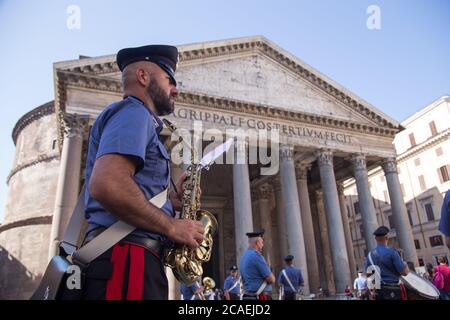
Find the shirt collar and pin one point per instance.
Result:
(157, 122)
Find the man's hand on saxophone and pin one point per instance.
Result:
(186, 231)
(176, 196)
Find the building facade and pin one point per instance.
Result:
(327, 135)
(423, 162)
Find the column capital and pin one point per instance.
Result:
(74, 124)
(389, 165)
(301, 170)
(286, 152)
(359, 161)
(325, 157)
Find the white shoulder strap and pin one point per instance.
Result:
(235, 284)
(288, 280)
(374, 266)
(110, 236)
(261, 287)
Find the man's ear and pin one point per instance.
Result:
(142, 77)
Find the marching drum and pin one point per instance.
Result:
(418, 288)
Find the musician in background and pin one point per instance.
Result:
(126, 166)
(232, 285)
(256, 275)
(290, 279)
(390, 265)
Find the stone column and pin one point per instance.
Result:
(68, 187)
(369, 218)
(296, 240)
(399, 214)
(281, 222)
(243, 220)
(341, 268)
(347, 232)
(326, 250)
(308, 228)
(264, 194)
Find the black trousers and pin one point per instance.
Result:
(234, 296)
(124, 272)
(289, 296)
(389, 292)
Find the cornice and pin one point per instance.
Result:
(26, 222)
(257, 45)
(430, 142)
(38, 159)
(225, 104)
(28, 118)
(96, 68)
(219, 103)
(89, 81)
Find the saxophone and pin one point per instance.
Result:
(186, 263)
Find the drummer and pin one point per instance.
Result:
(390, 264)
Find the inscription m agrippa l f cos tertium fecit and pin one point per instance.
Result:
(246, 122)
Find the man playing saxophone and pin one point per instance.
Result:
(126, 166)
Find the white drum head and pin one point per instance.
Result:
(422, 286)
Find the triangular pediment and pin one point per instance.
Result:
(259, 80)
(253, 70)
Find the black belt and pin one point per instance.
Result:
(150, 244)
(390, 284)
(250, 294)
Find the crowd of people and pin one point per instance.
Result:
(382, 279)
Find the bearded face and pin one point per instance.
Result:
(164, 103)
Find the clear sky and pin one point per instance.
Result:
(399, 68)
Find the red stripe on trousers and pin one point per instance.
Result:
(114, 287)
(136, 276)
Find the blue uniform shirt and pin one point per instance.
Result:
(294, 275)
(129, 128)
(389, 261)
(188, 291)
(254, 270)
(229, 282)
(444, 224)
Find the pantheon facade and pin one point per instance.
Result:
(327, 135)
